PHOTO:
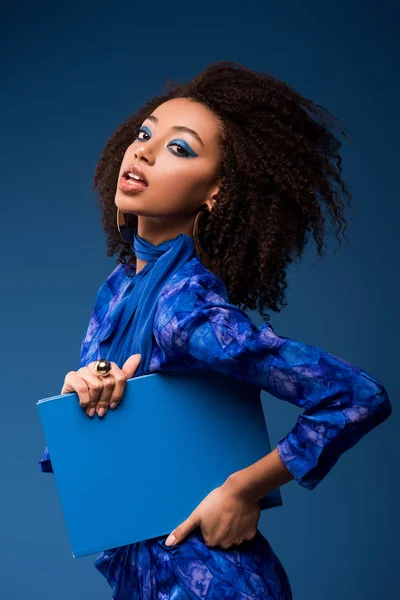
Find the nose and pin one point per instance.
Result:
(143, 151)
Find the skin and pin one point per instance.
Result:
(178, 186)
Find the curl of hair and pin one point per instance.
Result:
(281, 180)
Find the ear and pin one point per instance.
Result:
(212, 196)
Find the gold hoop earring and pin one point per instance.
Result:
(126, 233)
(204, 208)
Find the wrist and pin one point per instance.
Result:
(259, 479)
(236, 484)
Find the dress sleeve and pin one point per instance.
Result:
(195, 327)
(45, 462)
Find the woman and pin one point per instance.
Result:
(208, 193)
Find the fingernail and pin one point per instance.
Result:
(91, 412)
(170, 540)
(113, 405)
(101, 411)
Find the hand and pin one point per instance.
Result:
(99, 392)
(225, 518)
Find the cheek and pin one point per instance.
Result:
(129, 153)
(185, 180)
(182, 185)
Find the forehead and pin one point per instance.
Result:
(182, 111)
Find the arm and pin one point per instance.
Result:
(196, 327)
(260, 478)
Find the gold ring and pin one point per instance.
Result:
(102, 367)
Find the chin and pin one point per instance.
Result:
(125, 202)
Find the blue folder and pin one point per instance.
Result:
(140, 470)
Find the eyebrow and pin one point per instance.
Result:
(180, 128)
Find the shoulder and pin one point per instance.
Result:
(196, 325)
(190, 287)
(196, 281)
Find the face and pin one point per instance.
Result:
(179, 165)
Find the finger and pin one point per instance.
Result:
(108, 384)
(251, 534)
(96, 387)
(119, 387)
(180, 532)
(95, 384)
(130, 365)
(86, 388)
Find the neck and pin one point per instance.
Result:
(157, 230)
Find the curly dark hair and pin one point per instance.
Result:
(280, 173)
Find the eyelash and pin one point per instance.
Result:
(186, 155)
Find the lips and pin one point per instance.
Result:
(131, 186)
(133, 168)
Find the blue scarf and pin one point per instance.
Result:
(121, 323)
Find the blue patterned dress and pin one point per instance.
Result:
(195, 327)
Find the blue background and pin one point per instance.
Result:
(70, 75)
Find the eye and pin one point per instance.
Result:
(184, 151)
(142, 131)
